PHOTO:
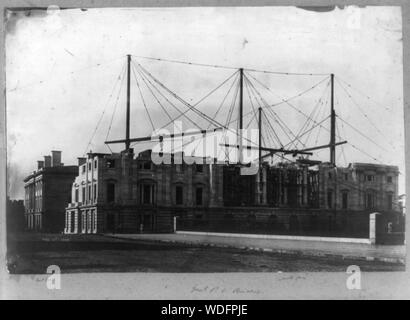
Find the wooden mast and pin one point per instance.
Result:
(332, 123)
(127, 125)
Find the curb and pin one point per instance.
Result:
(293, 252)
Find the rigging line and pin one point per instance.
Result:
(313, 125)
(365, 95)
(271, 133)
(228, 67)
(223, 101)
(185, 62)
(287, 73)
(232, 106)
(172, 120)
(287, 100)
(341, 153)
(364, 152)
(306, 132)
(253, 108)
(255, 112)
(108, 147)
(320, 110)
(70, 73)
(273, 130)
(252, 90)
(186, 111)
(290, 98)
(212, 91)
(232, 103)
(115, 109)
(361, 110)
(203, 115)
(322, 114)
(229, 116)
(105, 107)
(206, 117)
(281, 123)
(316, 111)
(299, 111)
(362, 134)
(250, 120)
(339, 133)
(275, 117)
(141, 142)
(142, 98)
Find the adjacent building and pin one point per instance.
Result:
(125, 192)
(47, 192)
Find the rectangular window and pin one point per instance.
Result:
(147, 165)
(330, 199)
(95, 192)
(178, 194)
(344, 200)
(89, 192)
(83, 194)
(199, 196)
(89, 166)
(84, 168)
(76, 195)
(346, 176)
(110, 192)
(370, 178)
(389, 179)
(369, 201)
(389, 201)
(95, 164)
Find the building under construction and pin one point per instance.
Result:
(129, 192)
(123, 192)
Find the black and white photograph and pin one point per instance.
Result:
(205, 140)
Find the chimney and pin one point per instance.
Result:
(40, 165)
(56, 158)
(81, 161)
(47, 161)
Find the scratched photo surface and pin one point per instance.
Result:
(212, 139)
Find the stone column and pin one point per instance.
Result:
(372, 227)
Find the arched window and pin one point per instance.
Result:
(345, 198)
(179, 194)
(147, 192)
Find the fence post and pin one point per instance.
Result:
(372, 227)
(175, 224)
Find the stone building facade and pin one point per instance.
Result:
(122, 193)
(47, 191)
(125, 192)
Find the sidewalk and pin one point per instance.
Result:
(358, 251)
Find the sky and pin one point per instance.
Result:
(66, 82)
